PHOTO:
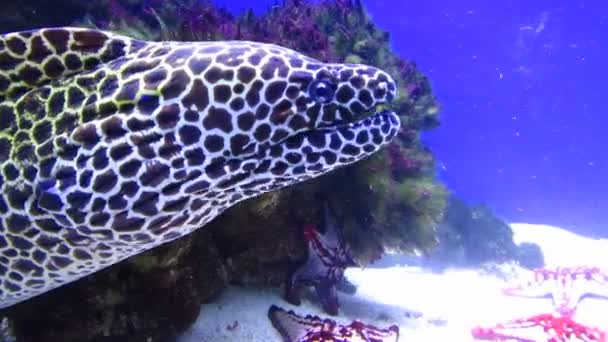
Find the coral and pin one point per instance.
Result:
(530, 256)
(474, 235)
(381, 213)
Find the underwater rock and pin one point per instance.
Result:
(530, 255)
(471, 236)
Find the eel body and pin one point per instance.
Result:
(110, 146)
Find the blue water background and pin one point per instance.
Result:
(523, 87)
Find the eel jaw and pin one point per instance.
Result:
(310, 153)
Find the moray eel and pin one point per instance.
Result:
(110, 146)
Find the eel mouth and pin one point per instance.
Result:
(375, 126)
(351, 120)
(309, 153)
(312, 152)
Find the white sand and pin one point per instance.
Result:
(450, 304)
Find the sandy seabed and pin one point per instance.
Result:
(428, 307)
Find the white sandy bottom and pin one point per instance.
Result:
(426, 306)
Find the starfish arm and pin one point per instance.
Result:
(293, 293)
(328, 296)
(309, 328)
(345, 286)
(535, 284)
(544, 327)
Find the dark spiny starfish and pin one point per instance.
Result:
(328, 257)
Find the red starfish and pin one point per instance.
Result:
(296, 328)
(566, 286)
(544, 327)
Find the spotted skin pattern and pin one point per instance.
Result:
(110, 146)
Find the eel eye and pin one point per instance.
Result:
(322, 91)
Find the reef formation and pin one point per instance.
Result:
(471, 235)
